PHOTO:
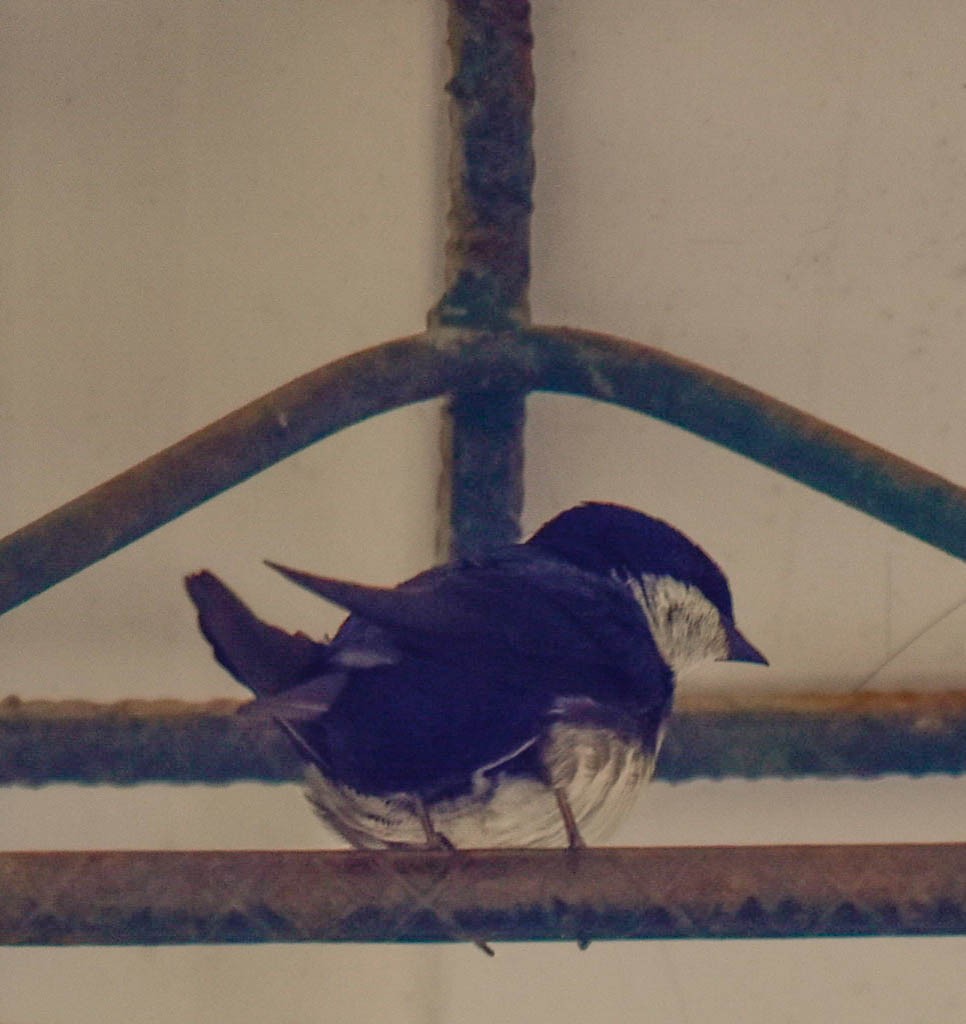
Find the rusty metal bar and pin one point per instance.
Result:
(491, 166)
(487, 277)
(223, 454)
(482, 486)
(156, 897)
(413, 369)
(830, 735)
(747, 421)
(487, 267)
(806, 735)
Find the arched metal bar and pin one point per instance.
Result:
(209, 461)
(752, 423)
(454, 361)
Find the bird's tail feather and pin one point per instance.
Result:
(264, 658)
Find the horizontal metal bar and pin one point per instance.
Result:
(156, 897)
(803, 735)
(407, 370)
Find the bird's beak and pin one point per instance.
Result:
(740, 650)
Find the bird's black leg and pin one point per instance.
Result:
(434, 840)
(574, 839)
(437, 841)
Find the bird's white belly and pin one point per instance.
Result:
(600, 773)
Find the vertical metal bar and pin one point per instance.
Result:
(487, 266)
(483, 471)
(491, 166)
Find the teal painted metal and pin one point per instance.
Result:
(749, 422)
(480, 351)
(167, 741)
(420, 367)
(484, 471)
(487, 264)
(491, 166)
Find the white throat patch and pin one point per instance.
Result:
(686, 626)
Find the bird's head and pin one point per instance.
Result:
(682, 592)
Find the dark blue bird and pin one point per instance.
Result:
(515, 700)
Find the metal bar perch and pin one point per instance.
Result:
(155, 897)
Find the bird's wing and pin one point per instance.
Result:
(264, 658)
(521, 623)
(534, 606)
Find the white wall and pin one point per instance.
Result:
(202, 200)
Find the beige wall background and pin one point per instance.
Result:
(202, 200)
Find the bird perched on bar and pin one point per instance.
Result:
(518, 699)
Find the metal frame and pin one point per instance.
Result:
(481, 350)
(154, 897)
(861, 735)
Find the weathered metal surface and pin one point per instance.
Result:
(486, 289)
(413, 369)
(205, 463)
(491, 165)
(482, 484)
(138, 741)
(157, 897)
(487, 266)
(751, 423)
(831, 735)
(151, 741)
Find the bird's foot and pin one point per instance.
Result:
(437, 841)
(575, 840)
(434, 840)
